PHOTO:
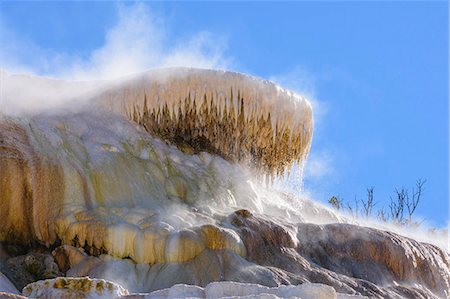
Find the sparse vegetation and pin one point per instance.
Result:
(335, 202)
(400, 210)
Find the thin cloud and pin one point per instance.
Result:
(319, 166)
(139, 40)
(309, 178)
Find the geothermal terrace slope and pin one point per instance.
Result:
(239, 117)
(148, 182)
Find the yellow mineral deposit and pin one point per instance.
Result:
(156, 172)
(102, 182)
(72, 287)
(239, 117)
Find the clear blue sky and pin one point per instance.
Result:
(378, 72)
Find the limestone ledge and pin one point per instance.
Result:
(141, 235)
(74, 288)
(80, 288)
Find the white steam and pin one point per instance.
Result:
(319, 165)
(140, 40)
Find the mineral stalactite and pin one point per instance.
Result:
(239, 117)
(145, 181)
(92, 179)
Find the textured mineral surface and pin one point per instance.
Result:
(163, 178)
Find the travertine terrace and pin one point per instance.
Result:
(241, 118)
(149, 181)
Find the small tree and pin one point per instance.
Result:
(407, 200)
(353, 210)
(403, 202)
(368, 204)
(335, 202)
(397, 206)
(383, 215)
(413, 201)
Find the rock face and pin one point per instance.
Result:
(81, 288)
(143, 189)
(6, 285)
(28, 268)
(381, 257)
(98, 182)
(244, 290)
(365, 260)
(241, 118)
(74, 288)
(76, 184)
(351, 259)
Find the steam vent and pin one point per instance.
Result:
(150, 186)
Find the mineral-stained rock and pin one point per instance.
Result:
(276, 256)
(4, 295)
(74, 288)
(176, 291)
(218, 238)
(208, 266)
(67, 256)
(381, 257)
(22, 270)
(348, 257)
(278, 253)
(228, 289)
(60, 183)
(236, 116)
(80, 288)
(20, 167)
(138, 189)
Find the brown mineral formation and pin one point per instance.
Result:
(150, 188)
(74, 288)
(30, 187)
(239, 117)
(369, 261)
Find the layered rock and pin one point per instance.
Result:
(99, 182)
(81, 288)
(64, 181)
(346, 257)
(144, 190)
(74, 288)
(350, 258)
(28, 268)
(241, 118)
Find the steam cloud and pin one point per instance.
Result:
(140, 40)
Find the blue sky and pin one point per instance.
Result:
(377, 73)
